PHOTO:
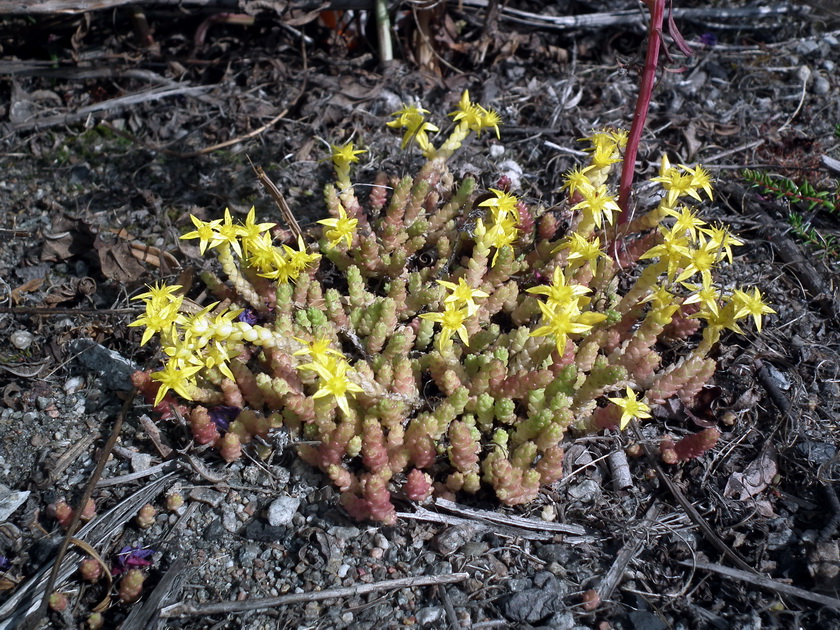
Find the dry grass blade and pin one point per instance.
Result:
(26, 598)
(188, 610)
(511, 521)
(708, 533)
(632, 547)
(166, 590)
(33, 620)
(764, 582)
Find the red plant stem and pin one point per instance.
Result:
(657, 15)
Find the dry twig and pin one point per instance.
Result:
(708, 533)
(25, 599)
(631, 548)
(260, 603)
(511, 521)
(764, 582)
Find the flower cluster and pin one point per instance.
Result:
(444, 338)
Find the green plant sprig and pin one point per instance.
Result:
(444, 358)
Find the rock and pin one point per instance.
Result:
(555, 553)
(248, 554)
(817, 453)
(429, 615)
(560, 621)
(473, 549)
(517, 585)
(261, 531)
(141, 461)
(452, 538)
(22, 339)
(214, 531)
(807, 47)
(114, 369)
(820, 86)
(780, 539)
(205, 495)
(531, 605)
(546, 581)
(644, 620)
(344, 533)
(229, 521)
(282, 510)
(585, 492)
(440, 568)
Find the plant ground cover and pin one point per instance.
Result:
(93, 202)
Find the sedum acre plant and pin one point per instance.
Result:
(434, 338)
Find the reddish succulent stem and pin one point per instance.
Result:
(657, 15)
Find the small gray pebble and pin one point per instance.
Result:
(248, 554)
(229, 521)
(560, 621)
(429, 615)
(452, 538)
(440, 568)
(214, 531)
(531, 605)
(546, 581)
(780, 539)
(807, 47)
(644, 620)
(517, 585)
(473, 549)
(141, 461)
(586, 491)
(821, 86)
(803, 73)
(282, 510)
(205, 495)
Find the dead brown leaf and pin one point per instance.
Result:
(758, 474)
(67, 237)
(26, 287)
(116, 259)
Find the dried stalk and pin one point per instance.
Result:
(261, 603)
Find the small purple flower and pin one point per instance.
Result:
(222, 416)
(5, 564)
(130, 557)
(708, 39)
(248, 316)
(541, 277)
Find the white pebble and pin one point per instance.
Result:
(282, 510)
(803, 73)
(22, 339)
(73, 384)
